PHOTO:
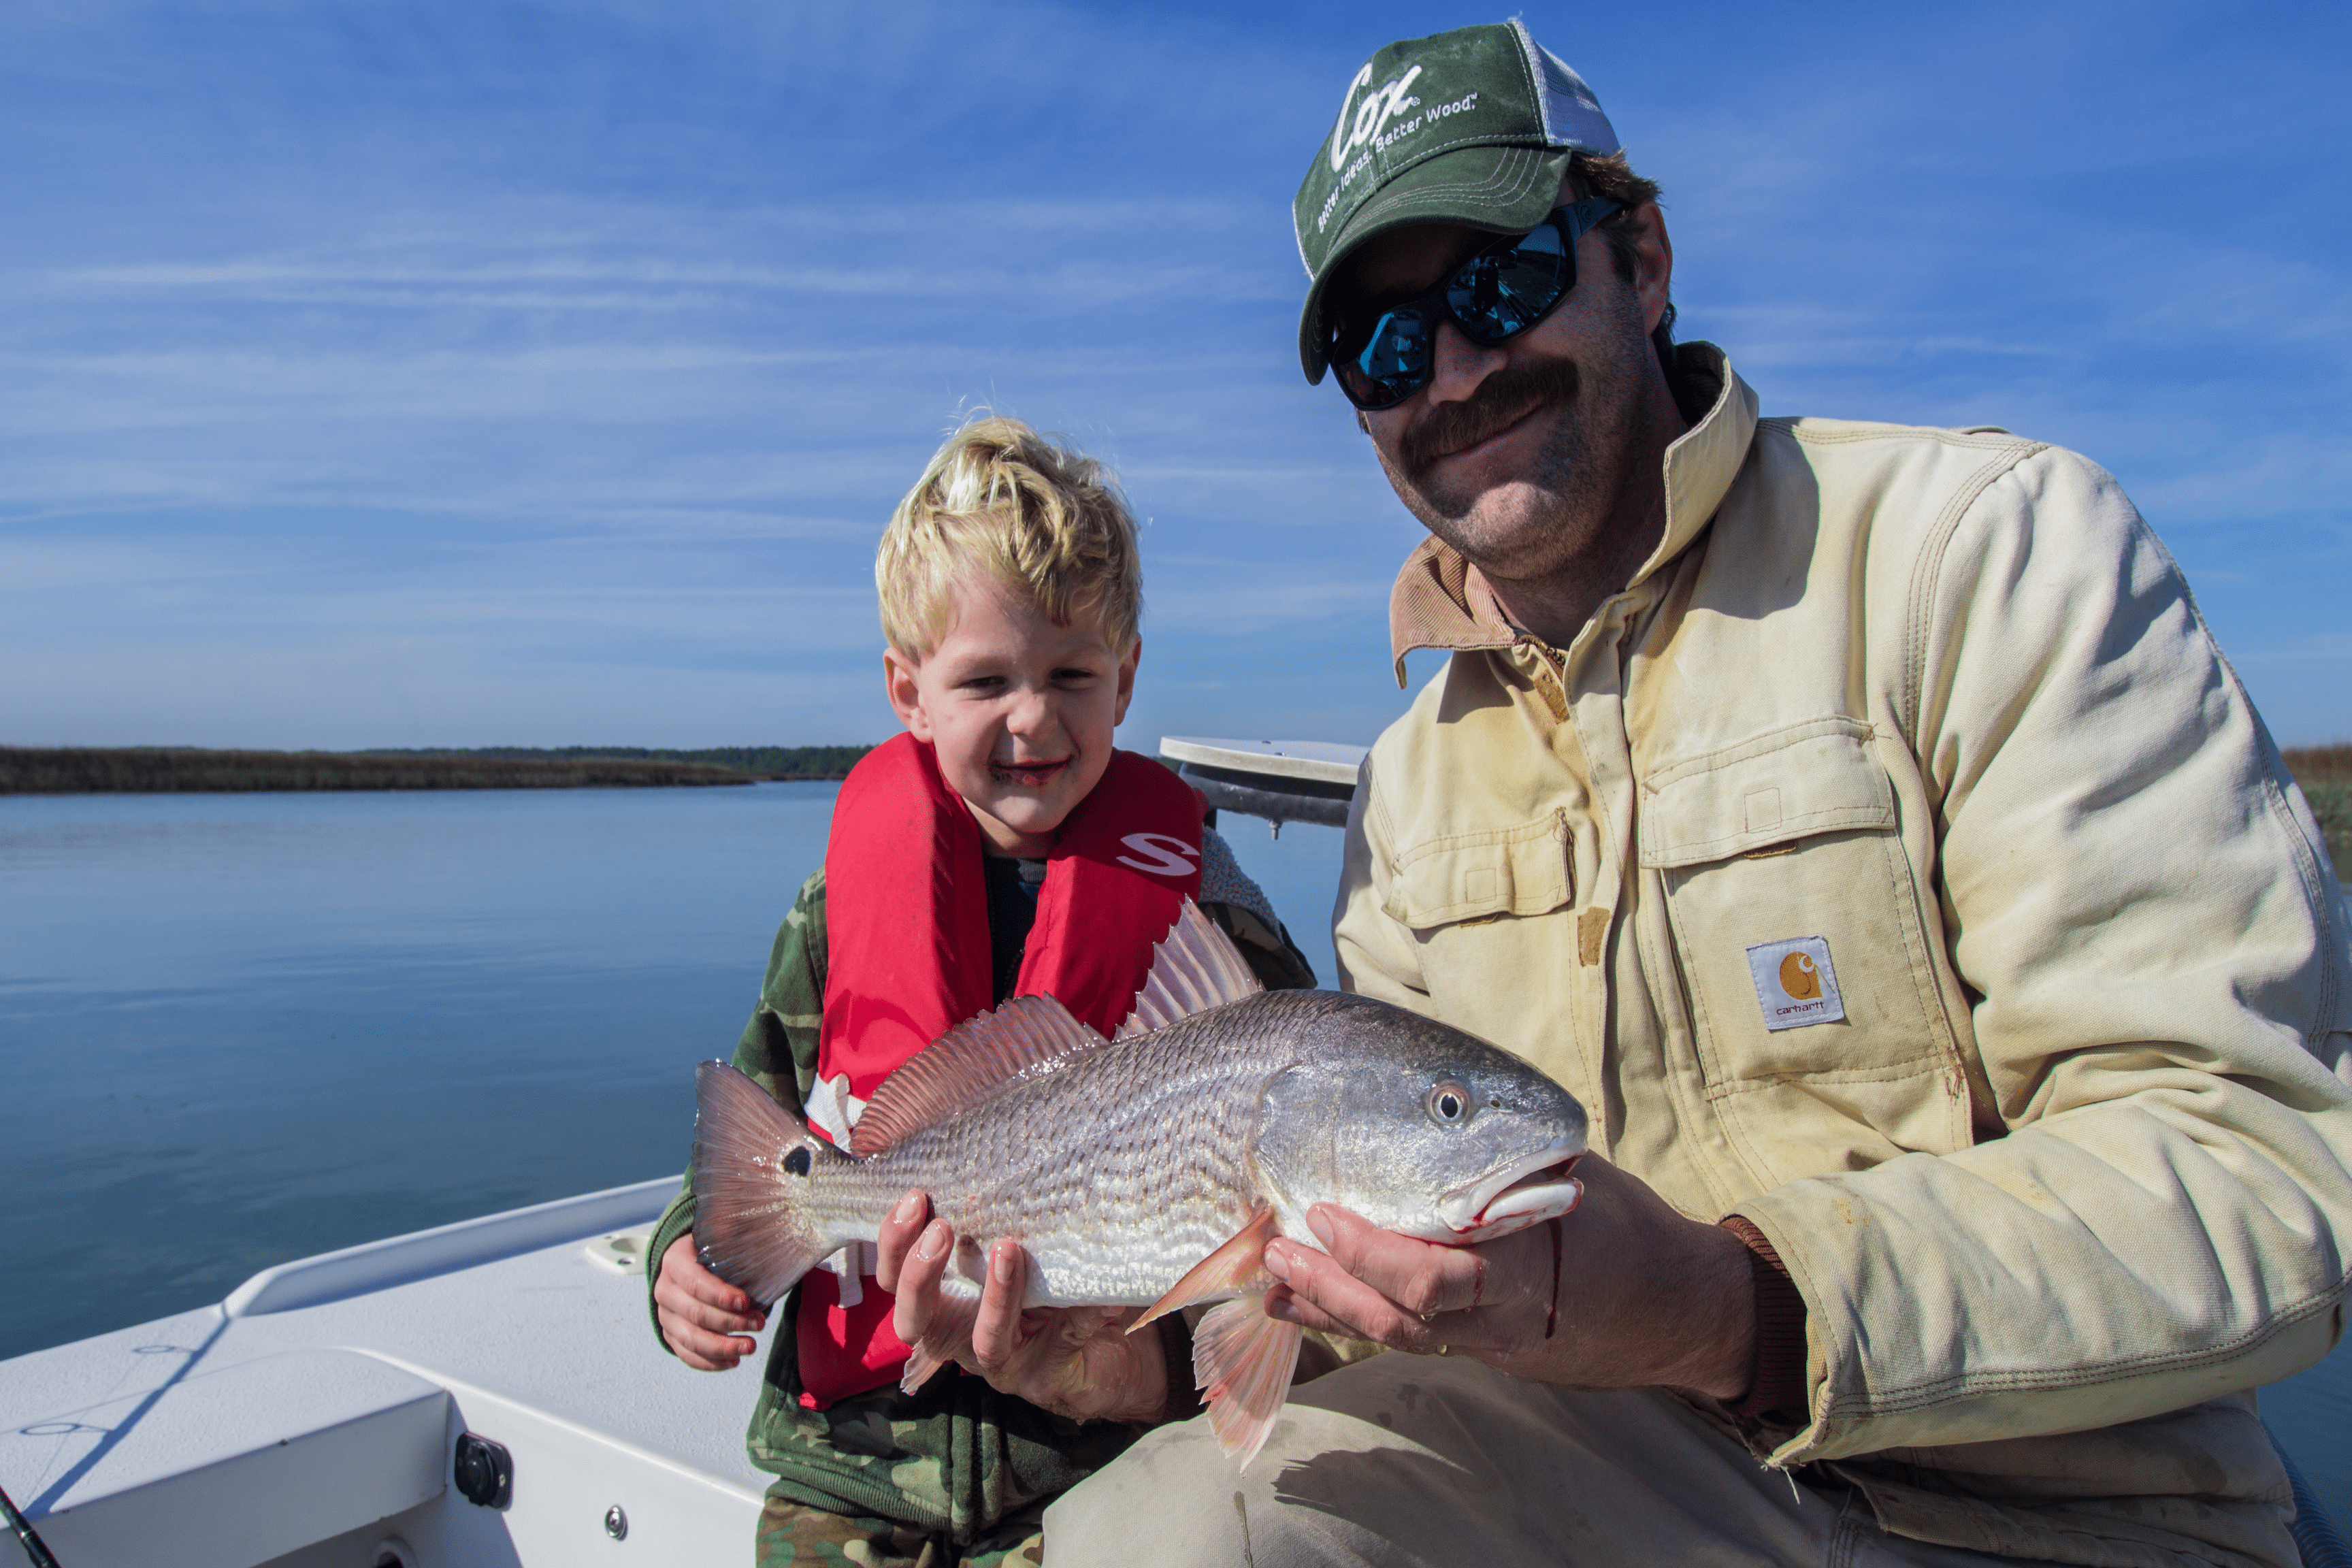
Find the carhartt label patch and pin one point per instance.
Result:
(1795, 982)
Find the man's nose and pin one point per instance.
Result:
(1456, 365)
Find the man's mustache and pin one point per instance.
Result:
(1502, 400)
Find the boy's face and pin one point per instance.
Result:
(1020, 711)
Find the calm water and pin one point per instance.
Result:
(240, 1029)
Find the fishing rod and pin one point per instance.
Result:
(26, 1536)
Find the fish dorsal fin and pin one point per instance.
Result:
(976, 1060)
(1195, 968)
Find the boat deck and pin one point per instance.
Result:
(309, 1421)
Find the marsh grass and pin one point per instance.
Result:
(760, 762)
(2326, 774)
(135, 770)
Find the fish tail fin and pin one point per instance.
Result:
(1243, 1361)
(949, 1338)
(752, 1164)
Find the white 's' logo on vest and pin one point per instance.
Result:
(1169, 856)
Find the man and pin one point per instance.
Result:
(1860, 820)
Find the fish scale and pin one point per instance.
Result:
(1153, 1168)
(1130, 1139)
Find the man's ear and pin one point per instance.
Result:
(1126, 682)
(1653, 265)
(905, 696)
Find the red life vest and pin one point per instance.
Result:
(907, 959)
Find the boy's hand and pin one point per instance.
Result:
(1078, 1361)
(705, 1321)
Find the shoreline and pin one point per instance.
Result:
(2326, 774)
(187, 770)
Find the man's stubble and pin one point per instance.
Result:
(1590, 503)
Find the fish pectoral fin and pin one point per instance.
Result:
(1238, 1265)
(1194, 967)
(946, 1337)
(1242, 1362)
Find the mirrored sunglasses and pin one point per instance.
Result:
(1493, 297)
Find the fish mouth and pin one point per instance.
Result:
(1524, 1192)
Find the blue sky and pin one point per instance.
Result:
(490, 372)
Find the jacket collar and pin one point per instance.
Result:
(1440, 602)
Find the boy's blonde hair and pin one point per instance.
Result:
(1039, 517)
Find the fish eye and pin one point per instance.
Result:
(1448, 1103)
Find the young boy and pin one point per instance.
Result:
(999, 847)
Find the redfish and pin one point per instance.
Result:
(1150, 1169)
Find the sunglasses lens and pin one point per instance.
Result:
(1495, 296)
(1390, 362)
(1504, 292)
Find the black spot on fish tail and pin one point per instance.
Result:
(797, 1162)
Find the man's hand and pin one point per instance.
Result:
(705, 1321)
(1078, 1361)
(1646, 1298)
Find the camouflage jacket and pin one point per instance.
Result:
(958, 1455)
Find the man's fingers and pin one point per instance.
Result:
(901, 1228)
(1417, 1275)
(919, 1281)
(1347, 1305)
(1318, 1293)
(1284, 1306)
(996, 1334)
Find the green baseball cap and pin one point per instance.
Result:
(1475, 126)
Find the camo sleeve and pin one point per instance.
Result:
(779, 1045)
(778, 1048)
(1240, 909)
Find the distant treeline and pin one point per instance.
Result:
(2326, 774)
(760, 761)
(162, 770)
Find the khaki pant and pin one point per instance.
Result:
(1416, 1461)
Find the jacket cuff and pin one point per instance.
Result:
(1184, 1401)
(1777, 1380)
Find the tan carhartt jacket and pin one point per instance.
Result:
(1898, 864)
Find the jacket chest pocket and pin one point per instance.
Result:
(1797, 930)
(1464, 877)
(1490, 910)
